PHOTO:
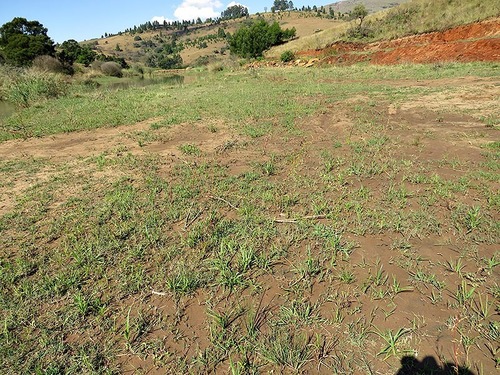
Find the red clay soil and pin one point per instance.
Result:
(474, 42)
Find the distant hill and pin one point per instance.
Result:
(200, 42)
(372, 6)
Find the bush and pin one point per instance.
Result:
(163, 61)
(359, 32)
(112, 69)
(253, 40)
(287, 56)
(47, 63)
(96, 65)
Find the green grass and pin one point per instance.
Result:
(196, 102)
(295, 250)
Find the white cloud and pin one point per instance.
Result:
(160, 19)
(233, 3)
(192, 9)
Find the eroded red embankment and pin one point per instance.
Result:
(474, 42)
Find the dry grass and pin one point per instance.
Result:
(415, 17)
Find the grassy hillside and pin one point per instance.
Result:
(371, 5)
(314, 30)
(414, 17)
(306, 23)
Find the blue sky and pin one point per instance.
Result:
(83, 20)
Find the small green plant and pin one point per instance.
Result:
(190, 149)
(391, 341)
(490, 121)
(346, 276)
(396, 287)
(380, 277)
(492, 262)
(183, 282)
(464, 293)
(299, 312)
(287, 349)
(268, 167)
(86, 305)
(287, 56)
(473, 218)
(483, 307)
(455, 266)
(311, 266)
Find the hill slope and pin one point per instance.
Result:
(372, 6)
(474, 42)
(414, 17)
(195, 51)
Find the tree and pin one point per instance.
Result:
(359, 12)
(22, 40)
(71, 51)
(280, 5)
(253, 40)
(235, 11)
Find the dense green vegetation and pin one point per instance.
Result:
(22, 40)
(234, 11)
(251, 41)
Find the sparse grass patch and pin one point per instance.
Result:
(317, 246)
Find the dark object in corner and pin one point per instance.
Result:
(429, 366)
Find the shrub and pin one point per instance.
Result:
(163, 61)
(359, 32)
(112, 69)
(287, 56)
(47, 63)
(202, 61)
(253, 40)
(96, 65)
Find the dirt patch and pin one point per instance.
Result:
(63, 147)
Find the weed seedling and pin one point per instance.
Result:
(457, 266)
(126, 332)
(473, 218)
(391, 340)
(190, 149)
(464, 293)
